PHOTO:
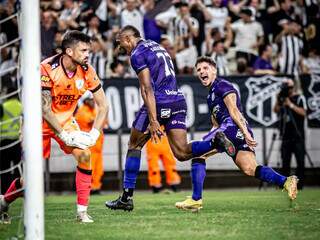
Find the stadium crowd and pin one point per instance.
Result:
(243, 36)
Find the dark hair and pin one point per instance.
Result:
(215, 43)
(207, 60)
(246, 11)
(242, 65)
(262, 48)
(135, 32)
(73, 37)
(115, 64)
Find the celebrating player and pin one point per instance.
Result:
(64, 78)
(164, 104)
(224, 104)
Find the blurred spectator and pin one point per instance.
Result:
(48, 31)
(311, 64)
(218, 54)
(198, 11)
(3, 37)
(93, 26)
(248, 36)
(286, 12)
(114, 9)
(217, 15)
(181, 31)
(57, 43)
(242, 67)
(98, 56)
(312, 28)
(263, 64)
(10, 27)
(214, 36)
(8, 61)
(151, 29)
(167, 45)
(130, 15)
(164, 18)
(290, 48)
(117, 69)
(69, 15)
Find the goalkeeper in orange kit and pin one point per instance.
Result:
(64, 79)
(161, 151)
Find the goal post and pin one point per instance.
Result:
(32, 127)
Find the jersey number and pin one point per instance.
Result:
(168, 65)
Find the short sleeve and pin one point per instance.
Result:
(260, 32)
(92, 80)
(224, 88)
(46, 81)
(235, 26)
(302, 102)
(138, 62)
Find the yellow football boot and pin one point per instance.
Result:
(291, 187)
(190, 204)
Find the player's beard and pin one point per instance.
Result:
(82, 63)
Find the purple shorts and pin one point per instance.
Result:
(170, 115)
(233, 133)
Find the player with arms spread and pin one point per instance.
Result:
(164, 104)
(64, 79)
(224, 104)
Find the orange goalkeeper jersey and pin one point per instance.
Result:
(65, 90)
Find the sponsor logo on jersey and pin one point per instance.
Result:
(174, 122)
(165, 113)
(45, 78)
(173, 92)
(79, 83)
(65, 99)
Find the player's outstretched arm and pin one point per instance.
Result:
(237, 117)
(150, 102)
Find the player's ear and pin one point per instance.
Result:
(69, 51)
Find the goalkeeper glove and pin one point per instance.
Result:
(94, 134)
(77, 139)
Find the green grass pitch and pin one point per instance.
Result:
(227, 214)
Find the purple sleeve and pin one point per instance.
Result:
(256, 64)
(225, 88)
(138, 62)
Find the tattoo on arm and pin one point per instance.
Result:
(46, 101)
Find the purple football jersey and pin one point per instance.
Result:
(219, 89)
(149, 54)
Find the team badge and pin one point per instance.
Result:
(79, 83)
(262, 97)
